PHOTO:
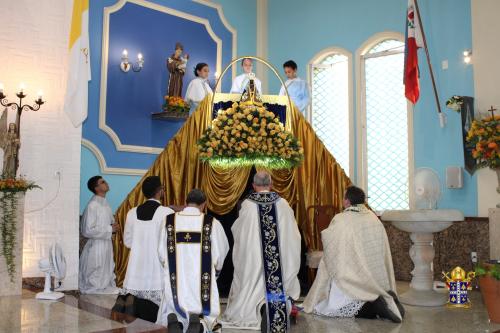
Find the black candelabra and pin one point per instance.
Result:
(20, 107)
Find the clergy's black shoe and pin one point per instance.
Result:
(398, 303)
(194, 324)
(174, 326)
(367, 311)
(383, 310)
(263, 321)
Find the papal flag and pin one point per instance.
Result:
(75, 101)
(414, 41)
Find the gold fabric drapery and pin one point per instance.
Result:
(318, 181)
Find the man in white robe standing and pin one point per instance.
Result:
(355, 276)
(266, 257)
(192, 248)
(241, 81)
(296, 87)
(97, 267)
(143, 284)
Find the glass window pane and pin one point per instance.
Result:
(386, 132)
(330, 106)
(388, 45)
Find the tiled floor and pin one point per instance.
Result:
(90, 313)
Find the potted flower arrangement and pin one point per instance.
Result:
(455, 103)
(484, 137)
(489, 282)
(10, 190)
(176, 106)
(248, 134)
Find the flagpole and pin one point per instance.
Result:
(428, 58)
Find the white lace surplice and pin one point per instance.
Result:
(144, 277)
(338, 304)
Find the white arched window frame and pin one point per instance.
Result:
(362, 54)
(317, 63)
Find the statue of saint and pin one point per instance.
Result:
(251, 93)
(10, 143)
(176, 65)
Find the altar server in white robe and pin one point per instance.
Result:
(144, 278)
(198, 88)
(266, 257)
(297, 88)
(355, 276)
(192, 249)
(241, 81)
(97, 266)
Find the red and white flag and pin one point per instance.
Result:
(413, 42)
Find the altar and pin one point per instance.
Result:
(318, 180)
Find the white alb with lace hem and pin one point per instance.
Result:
(151, 295)
(338, 304)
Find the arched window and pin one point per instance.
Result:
(330, 112)
(385, 122)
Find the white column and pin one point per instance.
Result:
(422, 254)
(421, 291)
(261, 47)
(485, 29)
(494, 227)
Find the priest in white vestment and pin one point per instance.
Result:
(144, 276)
(192, 248)
(198, 88)
(266, 257)
(241, 81)
(298, 90)
(355, 276)
(97, 267)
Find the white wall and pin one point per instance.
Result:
(34, 38)
(486, 52)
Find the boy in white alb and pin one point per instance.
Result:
(143, 279)
(240, 82)
(198, 88)
(297, 88)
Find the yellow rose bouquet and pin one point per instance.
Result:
(484, 137)
(175, 104)
(245, 135)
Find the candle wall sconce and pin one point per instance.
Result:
(467, 56)
(125, 65)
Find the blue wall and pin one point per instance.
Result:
(91, 131)
(132, 97)
(300, 29)
(119, 185)
(241, 14)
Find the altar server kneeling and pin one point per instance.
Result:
(192, 249)
(143, 285)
